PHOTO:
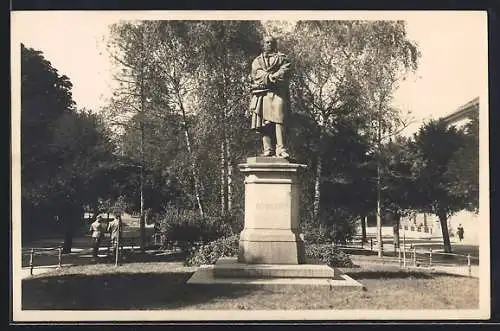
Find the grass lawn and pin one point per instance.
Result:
(162, 285)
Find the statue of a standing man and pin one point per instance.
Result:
(270, 100)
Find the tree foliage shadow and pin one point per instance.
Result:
(397, 274)
(121, 291)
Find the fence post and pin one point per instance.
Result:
(468, 265)
(371, 244)
(60, 258)
(117, 241)
(414, 257)
(404, 256)
(430, 257)
(32, 253)
(399, 257)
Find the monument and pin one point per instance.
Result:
(271, 186)
(271, 251)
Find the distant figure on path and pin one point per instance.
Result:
(97, 231)
(460, 232)
(269, 103)
(115, 229)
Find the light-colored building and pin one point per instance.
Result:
(461, 116)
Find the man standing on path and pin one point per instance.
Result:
(115, 228)
(97, 231)
(460, 232)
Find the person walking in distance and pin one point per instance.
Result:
(97, 231)
(460, 232)
(115, 229)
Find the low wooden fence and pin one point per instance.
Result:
(33, 252)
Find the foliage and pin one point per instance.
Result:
(398, 181)
(337, 226)
(463, 168)
(435, 145)
(329, 255)
(228, 247)
(65, 152)
(188, 227)
(211, 252)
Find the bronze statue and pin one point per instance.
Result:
(270, 100)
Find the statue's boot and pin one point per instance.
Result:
(282, 152)
(267, 144)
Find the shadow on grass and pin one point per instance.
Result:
(121, 291)
(388, 275)
(365, 252)
(84, 258)
(129, 257)
(396, 274)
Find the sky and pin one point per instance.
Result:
(452, 68)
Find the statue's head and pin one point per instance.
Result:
(269, 44)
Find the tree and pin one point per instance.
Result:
(385, 64)
(463, 168)
(45, 96)
(323, 80)
(434, 146)
(225, 50)
(398, 182)
(81, 151)
(137, 48)
(353, 65)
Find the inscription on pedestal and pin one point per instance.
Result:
(270, 205)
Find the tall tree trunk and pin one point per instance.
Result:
(194, 171)
(70, 215)
(319, 170)
(379, 156)
(363, 228)
(380, 244)
(317, 188)
(68, 233)
(223, 179)
(397, 222)
(142, 221)
(229, 176)
(443, 219)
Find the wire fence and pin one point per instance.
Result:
(414, 255)
(38, 256)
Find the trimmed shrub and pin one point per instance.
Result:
(315, 234)
(228, 247)
(211, 252)
(328, 254)
(331, 230)
(188, 227)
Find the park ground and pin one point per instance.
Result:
(156, 280)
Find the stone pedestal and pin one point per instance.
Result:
(272, 204)
(271, 252)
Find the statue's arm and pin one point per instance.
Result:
(260, 76)
(283, 73)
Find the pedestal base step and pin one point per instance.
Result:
(205, 276)
(231, 268)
